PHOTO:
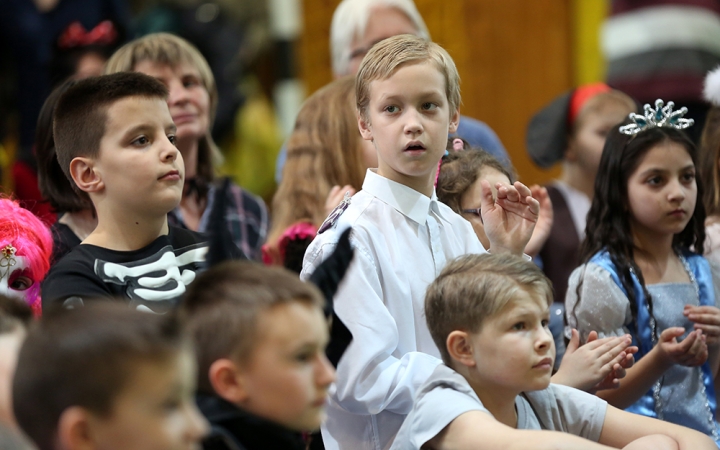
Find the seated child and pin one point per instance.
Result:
(260, 337)
(489, 314)
(25, 251)
(115, 140)
(107, 377)
(15, 317)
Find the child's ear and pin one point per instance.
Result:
(460, 348)
(364, 126)
(227, 381)
(84, 174)
(74, 429)
(454, 122)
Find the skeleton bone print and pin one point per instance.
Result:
(155, 283)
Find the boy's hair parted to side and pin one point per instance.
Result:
(473, 288)
(80, 117)
(387, 56)
(222, 306)
(460, 169)
(86, 357)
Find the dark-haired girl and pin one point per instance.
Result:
(640, 276)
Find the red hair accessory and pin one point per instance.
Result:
(581, 95)
(75, 35)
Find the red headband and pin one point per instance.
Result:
(580, 97)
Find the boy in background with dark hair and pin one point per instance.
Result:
(114, 140)
(489, 316)
(107, 377)
(260, 336)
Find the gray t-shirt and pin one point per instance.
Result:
(446, 395)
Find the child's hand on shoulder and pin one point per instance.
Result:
(707, 320)
(599, 364)
(335, 196)
(691, 351)
(510, 219)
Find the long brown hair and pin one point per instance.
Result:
(324, 150)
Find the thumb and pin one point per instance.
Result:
(671, 333)
(574, 342)
(486, 197)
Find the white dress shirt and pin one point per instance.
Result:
(402, 241)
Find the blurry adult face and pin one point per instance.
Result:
(188, 100)
(383, 22)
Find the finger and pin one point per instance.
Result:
(486, 197)
(522, 190)
(619, 371)
(670, 333)
(574, 342)
(702, 309)
(708, 330)
(592, 336)
(712, 319)
(629, 360)
(511, 194)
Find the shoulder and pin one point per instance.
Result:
(74, 274)
(182, 237)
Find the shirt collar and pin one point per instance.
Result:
(406, 200)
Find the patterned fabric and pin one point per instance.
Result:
(246, 216)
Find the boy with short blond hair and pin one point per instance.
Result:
(489, 316)
(115, 140)
(107, 377)
(260, 337)
(407, 97)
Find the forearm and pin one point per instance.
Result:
(638, 380)
(470, 439)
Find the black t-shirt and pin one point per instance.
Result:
(152, 278)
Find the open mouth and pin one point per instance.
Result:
(414, 147)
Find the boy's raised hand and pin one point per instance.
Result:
(589, 366)
(510, 219)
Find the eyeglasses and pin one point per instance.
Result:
(475, 211)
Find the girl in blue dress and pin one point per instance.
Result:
(642, 272)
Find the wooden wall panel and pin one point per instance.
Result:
(513, 56)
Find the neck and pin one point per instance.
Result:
(189, 151)
(82, 223)
(125, 231)
(498, 400)
(574, 176)
(422, 184)
(652, 247)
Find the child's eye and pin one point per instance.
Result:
(429, 106)
(519, 326)
(688, 177)
(172, 139)
(141, 141)
(545, 323)
(21, 283)
(391, 109)
(304, 357)
(654, 181)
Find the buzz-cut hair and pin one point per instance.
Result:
(222, 306)
(86, 357)
(350, 20)
(386, 57)
(80, 117)
(472, 289)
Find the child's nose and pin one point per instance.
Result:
(413, 125)
(197, 425)
(325, 372)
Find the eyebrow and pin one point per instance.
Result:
(658, 170)
(146, 128)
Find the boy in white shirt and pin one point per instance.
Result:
(489, 316)
(408, 95)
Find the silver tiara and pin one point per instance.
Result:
(661, 116)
